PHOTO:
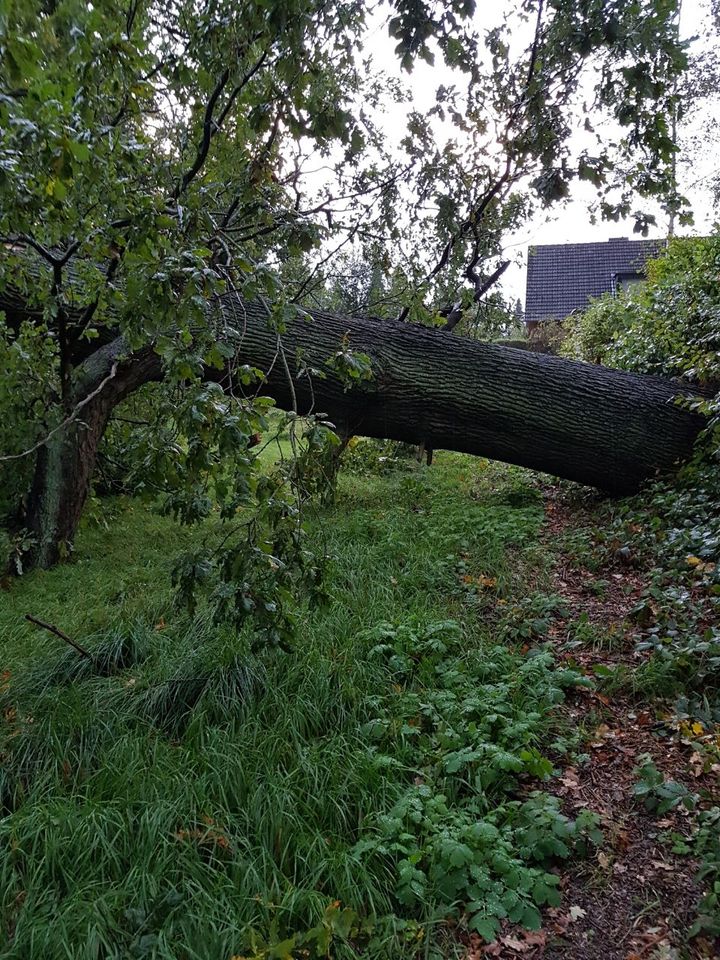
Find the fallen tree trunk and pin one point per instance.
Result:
(604, 428)
(600, 427)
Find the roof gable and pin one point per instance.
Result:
(562, 277)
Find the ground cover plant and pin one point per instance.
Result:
(626, 603)
(427, 771)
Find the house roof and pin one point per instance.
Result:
(562, 277)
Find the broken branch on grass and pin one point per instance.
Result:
(51, 628)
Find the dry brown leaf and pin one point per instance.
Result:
(512, 944)
(492, 950)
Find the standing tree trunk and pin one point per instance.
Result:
(65, 464)
(61, 481)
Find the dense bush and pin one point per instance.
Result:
(674, 327)
(590, 335)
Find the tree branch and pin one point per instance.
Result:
(482, 287)
(210, 125)
(58, 633)
(61, 426)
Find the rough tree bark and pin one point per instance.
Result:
(600, 427)
(65, 465)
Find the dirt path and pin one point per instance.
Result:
(635, 900)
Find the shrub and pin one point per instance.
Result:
(590, 335)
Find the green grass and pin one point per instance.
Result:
(120, 573)
(181, 798)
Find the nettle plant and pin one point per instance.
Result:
(467, 724)
(658, 794)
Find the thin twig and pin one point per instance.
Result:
(61, 426)
(51, 628)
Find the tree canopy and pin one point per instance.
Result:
(157, 156)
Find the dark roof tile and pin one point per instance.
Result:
(562, 277)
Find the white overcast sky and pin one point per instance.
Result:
(570, 222)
